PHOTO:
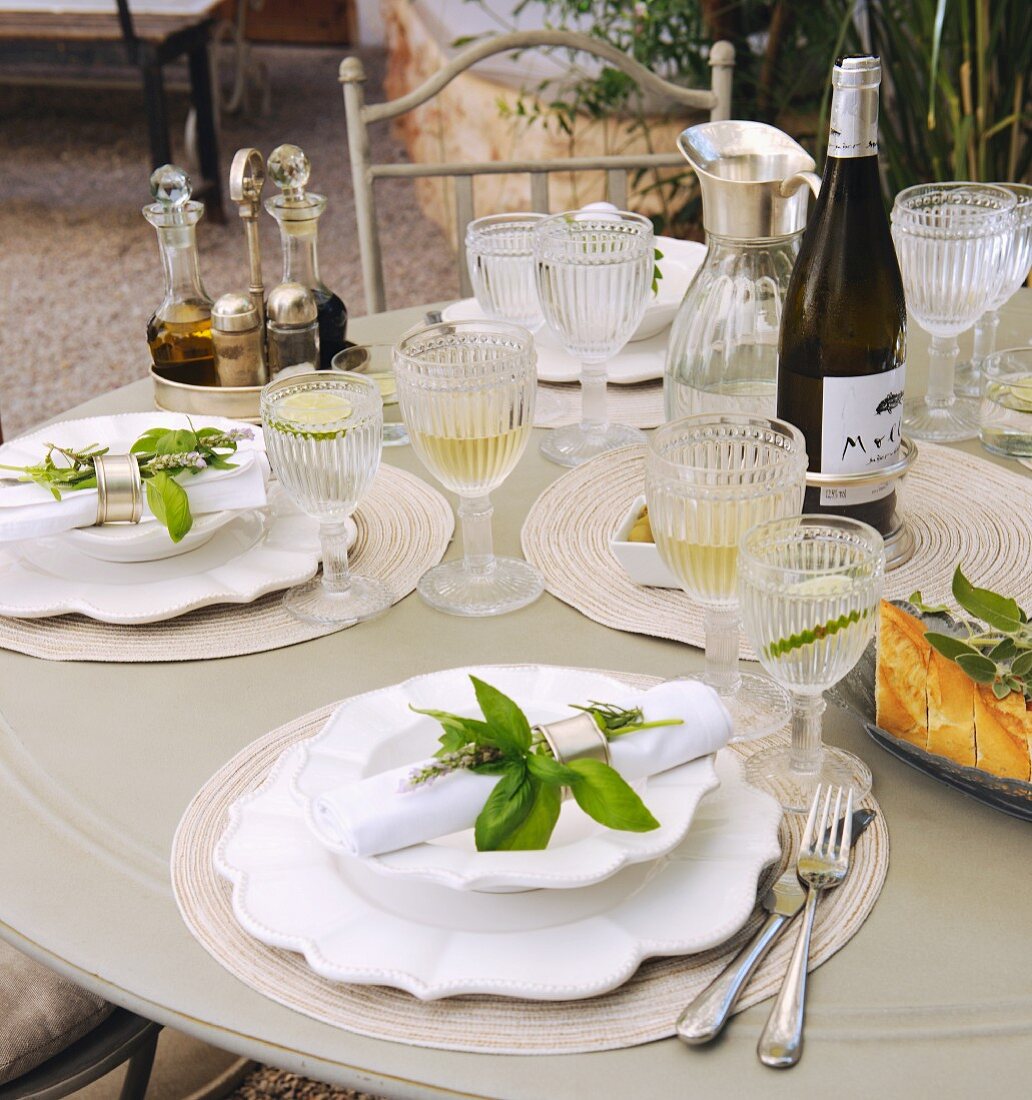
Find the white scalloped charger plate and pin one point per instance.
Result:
(256, 553)
(377, 731)
(641, 360)
(353, 925)
(146, 540)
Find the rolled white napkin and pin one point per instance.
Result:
(28, 511)
(377, 814)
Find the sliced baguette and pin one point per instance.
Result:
(951, 711)
(1003, 733)
(901, 675)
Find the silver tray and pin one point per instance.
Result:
(232, 402)
(856, 694)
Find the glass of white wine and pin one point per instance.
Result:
(810, 587)
(467, 391)
(323, 438)
(594, 277)
(708, 479)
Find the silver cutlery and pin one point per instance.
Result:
(705, 1017)
(822, 864)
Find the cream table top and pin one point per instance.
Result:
(98, 761)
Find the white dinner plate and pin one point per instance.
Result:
(378, 731)
(257, 552)
(147, 540)
(355, 925)
(643, 359)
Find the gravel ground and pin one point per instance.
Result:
(79, 268)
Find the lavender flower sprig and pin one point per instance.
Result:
(163, 455)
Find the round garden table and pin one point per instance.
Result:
(98, 762)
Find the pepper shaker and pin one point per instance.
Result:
(293, 328)
(239, 340)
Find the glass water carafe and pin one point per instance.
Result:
(723, 350)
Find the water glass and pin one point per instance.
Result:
(708, 479)
(376, 361)
(1016, 263)
(467, 391)
(1006, 411)
(323, 438)
(951, 239)
(594, 277)
(500, 258)
(810, 588)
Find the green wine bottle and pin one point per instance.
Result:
(843, 328)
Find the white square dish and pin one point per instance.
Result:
(640, 560)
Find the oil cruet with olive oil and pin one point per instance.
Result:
(179, 333)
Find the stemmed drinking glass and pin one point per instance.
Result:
(594, 276)
(950, 239)
(810, 588)
(323, 437)
(708, 479)
(500, 259)
(1016, 263)
(467, 392)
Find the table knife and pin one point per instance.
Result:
(706, 1016)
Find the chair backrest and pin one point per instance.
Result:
(716, 99)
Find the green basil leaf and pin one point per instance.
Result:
(992, 608)
(949, 646)
(470, 729)
(451, 741)
(493, 767)
(148, 441)
(979, 668)
(170, 504)
(176, 441)
(603, 794)
(928, 609)
(506, 808)
(551, 771)
(535, 831)
(510, 730)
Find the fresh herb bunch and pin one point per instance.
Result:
(162, 453)
(998, 653)
(521, 811)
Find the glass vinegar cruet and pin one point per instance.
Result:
(179, 332)
(298, 212)
(723, 350)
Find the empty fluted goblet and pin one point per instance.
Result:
(594, 276)
(810, 587)
(708, 479)
(500, 259)
(1015, 266)
(323, 437)
(467, 392)
(950, 239)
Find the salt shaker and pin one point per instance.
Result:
(236, 332)
(293, 328)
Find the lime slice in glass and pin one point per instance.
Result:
(314, 409)
(820, 586)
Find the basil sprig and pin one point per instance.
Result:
(163, 455)
(522, 809)
(998, 653)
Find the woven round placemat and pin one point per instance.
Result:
(640, 405)
(404, 526)
(961, 510)
(642, 1010)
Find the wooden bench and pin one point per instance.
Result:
(85, 42)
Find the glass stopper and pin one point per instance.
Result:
(171, 186)
(289, 169)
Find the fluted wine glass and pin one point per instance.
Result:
(810, 587)
(467, 391)
(500, 259)
(708, 479)
(1015, 266)
(323, 435)
(594, 277)
(950, 239)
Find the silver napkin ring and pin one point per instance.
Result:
(577, 738)
(119, 489)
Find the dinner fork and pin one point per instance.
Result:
(823, 863)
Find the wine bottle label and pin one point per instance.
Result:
(854, 108)
(862, 419)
